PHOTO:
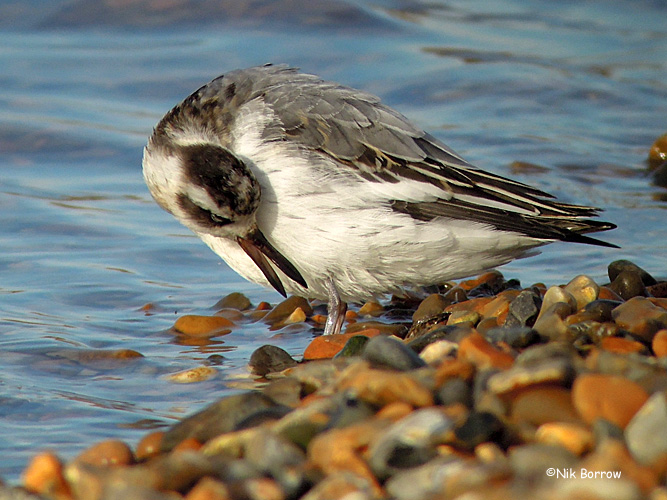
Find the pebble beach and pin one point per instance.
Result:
(120, 378)
(481, 388)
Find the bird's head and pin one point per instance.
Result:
(204, 185)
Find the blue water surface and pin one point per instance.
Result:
(575, 88)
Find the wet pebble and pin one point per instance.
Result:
(523, 310)
(628, 285)
(381, 387)
(234, 300)
(659, 344)
(455, 391)
(432, 305)
(434, 353)
(551, 371)
(478, 428)
(354, 346)
(150, 445)
(513, 336)
(286, 308)
(408, 443)
(268, 359)
(619, 266)
(611, 397)
(217, 418)
(193, 375)
(327, 346)
(551, 323)
(203, 326)
(583, 289)
(540, 405)
(44, 476)
(646, 434)
(391, 353)
(532, 460)
(574, 437)
(106, 453)
(641, 318)
(477, 350)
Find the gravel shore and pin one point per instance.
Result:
(481, 389)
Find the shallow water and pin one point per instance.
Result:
(577, 89)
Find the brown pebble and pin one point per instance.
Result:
(454, 368)
(583, 289)
(620, 345)
(395, 411)
(193, 375)
(658, 152)
(640, 317)
(431, 306)
(44, 476)
(487, 278)
(106, 453)
(541, 405)
(478, 351)
(188, 444)
(381, 387)
(327, 346)
(612, 455)
(203, 326)
(499, 306)
(371, 308)
(338, 450)
(283, 310)
(659, 344)
(574, 437)
(475, 304)
(607, 293)
(208, 488)
(297, 316)
(149, 446)
(611, 397)
(234, 300)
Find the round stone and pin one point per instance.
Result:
(269, 359)
(611, 397)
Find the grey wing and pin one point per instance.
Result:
(356, 129)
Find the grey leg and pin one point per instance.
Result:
(336, 310)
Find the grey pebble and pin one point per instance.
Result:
(409, 442)
(455, 390)
(217, 418)
(269, 359)
(646, 434)
(619, 266)
(523, 310)
(354, 346)
(387, 352)
(514, 336)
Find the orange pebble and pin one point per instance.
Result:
(150, 445)
(660, 344)
(188, 444)
(105, 453)
(202, 326)
(44, 476)
(478, 351)
(619, 345)
(327, 346)
(611, 397)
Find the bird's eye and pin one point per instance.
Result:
(200, 214)
(217, 219)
